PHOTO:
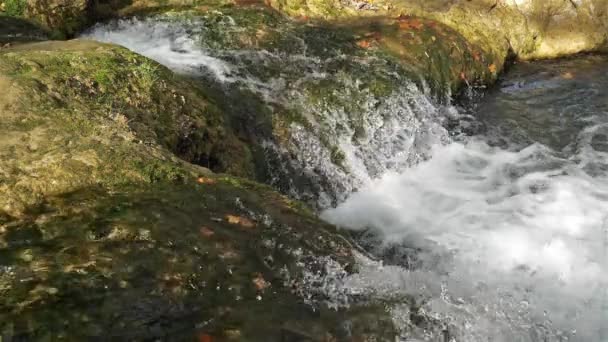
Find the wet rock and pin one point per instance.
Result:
(64, 18)
(102, 236)
(321, 105)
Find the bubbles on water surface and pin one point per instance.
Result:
(509, 229)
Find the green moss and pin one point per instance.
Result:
(95, 222)
(15, 8)
(158, 172)
(134, 90)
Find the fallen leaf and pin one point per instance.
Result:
(492, 68)
(241, 221)
(408, 24)
(364, 44)
(205, 338)
(260, 283)
(205, 180)
(206, 232)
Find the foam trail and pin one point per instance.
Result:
(166, 42)
(516, 238)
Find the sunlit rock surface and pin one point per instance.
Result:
(105, 233)
(531, 28)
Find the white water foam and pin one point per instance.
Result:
(515, 242)
(165, 42)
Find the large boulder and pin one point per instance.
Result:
(565, 26)
(106, 233)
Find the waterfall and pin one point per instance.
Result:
(339, 121)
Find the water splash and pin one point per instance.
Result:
(518, 236)
(165, 42)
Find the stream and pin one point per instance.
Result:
(497, 226)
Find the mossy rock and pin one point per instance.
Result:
(326, 83)
(105, 233)
(169, 261)
(156, 105)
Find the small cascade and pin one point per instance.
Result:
(337, 120)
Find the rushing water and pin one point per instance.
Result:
(499, 236)
(513, 223)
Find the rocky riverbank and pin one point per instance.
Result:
(129, 206)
